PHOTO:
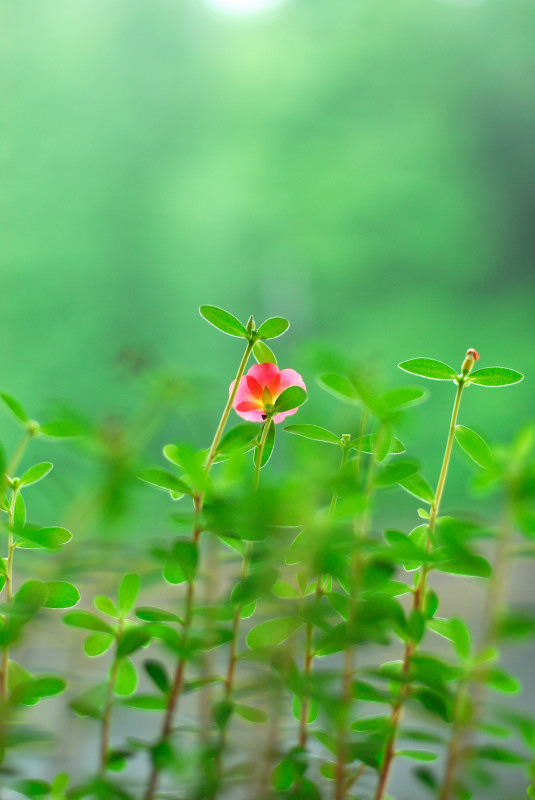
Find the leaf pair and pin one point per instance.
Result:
(438, 371)
(59, 429)
(229, 324)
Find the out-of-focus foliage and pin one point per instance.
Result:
(278, 600)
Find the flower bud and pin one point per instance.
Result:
(471, 357)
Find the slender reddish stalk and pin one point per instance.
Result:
(178, 679)
(418, 600)
(309, 634)
(233, 653)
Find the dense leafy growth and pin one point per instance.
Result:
(281, 635)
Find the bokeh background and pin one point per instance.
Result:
(364, 167)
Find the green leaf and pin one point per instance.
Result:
(182, 562)
(31, 596)
(131, 640)
(190, 460)
(36, 473)
(253, 586)
(367, 444)
(88, 621)
(499, 755)
(429, 368)
(146, 702)
(403, 398)
(49, 538)
(63, 429)
(404, 548)
(128, 592)
(495, 376)
(284, 590)
(455, 630)
(91, 702)
(268, 445)
(106, 605)
(19, 513)
(273, 632)
(264, 354)
(126, 678)
(313, 432)
(290, 398)
(61, 595)
(223, 321)
(97, 643)
(158, 674)
(417, 755)
(15, 407)
(152, 614)
(500, 680)
(238, 439)
(36, 688)
(472, 444)
(250, 713)
(32, 788)
(164, 480)
(395, 473)
(339, 386)
(297, 709)
(284, 775)
(416, 485)
(273, 327)
(17, 674)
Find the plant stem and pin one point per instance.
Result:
(458, 740)
(341, 785)
(309, 635)
(190, 594)
(106, 722)
(418, 600)
(178, 678)
(9, 592)
(225, 415)
(233, 655)
(15, 459)
(260, 451)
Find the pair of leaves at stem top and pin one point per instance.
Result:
(58, 429)
(438, 371)
(229, 324)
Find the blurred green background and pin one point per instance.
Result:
(364, 168)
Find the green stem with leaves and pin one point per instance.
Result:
(309, 633)
(342, 780)
(419, 593)
(226, 413)
(106, 721)
(460, 728)
(178, 679)
(233, 654)
(11, 467)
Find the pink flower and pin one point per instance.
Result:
(260, 388)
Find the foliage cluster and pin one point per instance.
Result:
(287, 595)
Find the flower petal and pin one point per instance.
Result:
(251, 416)
(243, 393)
(289, 377)
(248, 405)
(263, 373)
(279, 417)
(255, 388)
